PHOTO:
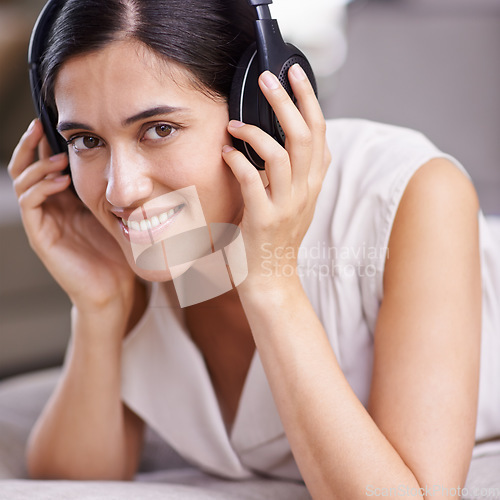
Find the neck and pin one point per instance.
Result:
(221, 332)
(223, 313)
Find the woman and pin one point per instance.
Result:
(355, 340)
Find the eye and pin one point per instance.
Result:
(159, 132)
(85, 143)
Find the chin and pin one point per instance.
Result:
(153, 276)
(153, 269)
(148, 269)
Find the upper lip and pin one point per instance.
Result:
(123, 213)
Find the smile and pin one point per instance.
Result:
(155, 221)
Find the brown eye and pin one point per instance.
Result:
(160, 131)
(163, 130)
(84, 143)
(90, 142)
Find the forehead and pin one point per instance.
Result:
(124, 73)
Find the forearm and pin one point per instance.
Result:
(82, 431)
(338, 448)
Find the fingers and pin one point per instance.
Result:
(46, 169)
(23, 169)
(34, 181)
(307, 102)
(276, 158)
(300, 166)
(255, 197)
(311, 112)
(304, 127)
(24, 154)
(44, 149)
(36, 195)
(298, 136)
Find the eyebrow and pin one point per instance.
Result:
(148, 113)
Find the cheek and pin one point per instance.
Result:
(192, 162)
(88, 184)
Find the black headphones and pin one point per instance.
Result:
(269, 52)
(246, 101)
(38, 45)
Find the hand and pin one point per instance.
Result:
(79, 253)
(276, 217)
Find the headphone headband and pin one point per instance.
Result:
(256, 3)
(38, 40)
(38, 44)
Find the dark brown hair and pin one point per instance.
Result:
(205, 36)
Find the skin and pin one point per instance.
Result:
(428, 330)
(133, 164)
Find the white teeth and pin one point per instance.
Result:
(155, 221)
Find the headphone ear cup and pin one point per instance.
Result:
(56, 142)
(244, 100)
(279, 134)
(237, 83)
(50, 128)
(247, 103)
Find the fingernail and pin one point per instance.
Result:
(61, 178)
(227, 149)
(236, 124)
(32, 126)
(270, 81)
(298, 72)
(58, 157)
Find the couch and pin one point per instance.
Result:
(162, 472)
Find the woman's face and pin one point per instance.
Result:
(145, 147)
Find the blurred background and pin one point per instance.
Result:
(432, 65)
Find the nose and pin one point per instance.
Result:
(128, 180)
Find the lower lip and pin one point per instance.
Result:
(150, 236)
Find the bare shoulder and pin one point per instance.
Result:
(440, 205)
(440, 176)
(442, 184)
